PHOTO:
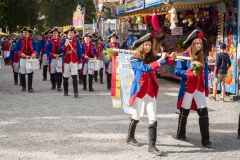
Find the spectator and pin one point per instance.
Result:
(223, 62)
(124, 44)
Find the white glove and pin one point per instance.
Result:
(79, 66)
(66, 42)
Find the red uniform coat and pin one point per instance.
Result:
(71, 55)
(99, 50)
(85, 50)
(55, 47)
(25, 45)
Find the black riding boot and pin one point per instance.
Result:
(5, 61)
(15, 78)
(204, 126)
(182, 122)
(152, 134)
(53, 80)
(75, 85)
(85, 82)
(109, 76)
(239, 127)
(101, 75)
(95, 76)
(23, 80)
(30, 80)
(90, 82)
(80, 77)
(20, 79)
(59, 82)
(45, 73)
(131, 132)
(65, 86)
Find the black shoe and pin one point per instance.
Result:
(155, 151)
(91, 90)
(207, 143)
(53, 88)
(108, 88)
(30, 90)
(66, 94)
(16, 83)
(59, 89)
(81, 83)
(76, 95)
(238, 137)
(24, 90)
(181, 137)
(132, 141)
(44, 79)
(85, 89)
(101, 82)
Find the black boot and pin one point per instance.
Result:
(15, 78)
(75, 85)
(109, 77)
(30, 80)
(20, 79)
(239, 127)
(53, 80)
(182, 122)
(23, 80)
(131, 132)
(80, 77)
(5, 61)
(204, 126)
(101, 75)
(95, 76)
(90, 82)
(45, 73)
(65, 86)
(59, 82)
(152, 134)
(85, 82)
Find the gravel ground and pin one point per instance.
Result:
(47, 125)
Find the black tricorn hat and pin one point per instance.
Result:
(147, 37)
(46, 32)
(26, 29)
(112, 35)
(93, 35)
(70, 29)
(99, 37)
(55, 29)
(86, 35)
(195, 34)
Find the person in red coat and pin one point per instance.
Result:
(25, 49)
(53, 50)
(193, 87)
(99, 52)
(6, 47)
(145, 89)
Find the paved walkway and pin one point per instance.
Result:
(47, 125)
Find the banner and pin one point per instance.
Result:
(78, 17)
(134, 5)
(115, 84)
(150, 3)
(120, 9)
(126, 74)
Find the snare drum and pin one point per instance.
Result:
(32, 64)
(94, 65)
(59, 62)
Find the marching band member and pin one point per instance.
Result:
(145, 89)
(99, 52)
(108, 65)
(41, 50)
(88, 52)
(52, 49)
(71, 49)
(6, 47)
(14, 61)
(25, 50)
(193, 88)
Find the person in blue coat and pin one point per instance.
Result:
(193, 87)
(145, 89)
